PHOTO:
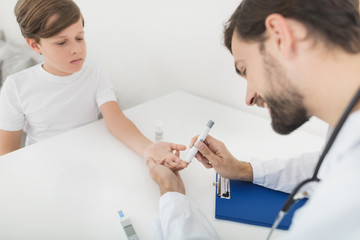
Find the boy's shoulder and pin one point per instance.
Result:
(35, 73)
(25, 73)
(21, 79)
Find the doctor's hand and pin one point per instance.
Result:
(167, 180)
(213, 154)
(167, 154)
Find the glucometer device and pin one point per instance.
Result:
(127, 226)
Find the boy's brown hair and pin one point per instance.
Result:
(33, 17)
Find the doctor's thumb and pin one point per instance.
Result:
(206, 152)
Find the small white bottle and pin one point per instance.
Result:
(159, 131)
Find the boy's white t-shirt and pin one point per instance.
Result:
(45, 105)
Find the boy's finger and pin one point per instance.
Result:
(177, 147)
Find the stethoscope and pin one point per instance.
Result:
(296, 195)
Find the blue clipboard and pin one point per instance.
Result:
(253, 204)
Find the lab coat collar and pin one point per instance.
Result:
(348, 136)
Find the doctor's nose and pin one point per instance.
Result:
(250, 96)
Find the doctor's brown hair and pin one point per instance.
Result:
(335, 22)
(33, 17)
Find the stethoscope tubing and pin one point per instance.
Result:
(290, 201)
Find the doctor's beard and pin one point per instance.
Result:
(287, 110)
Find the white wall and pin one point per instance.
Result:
(153, 47)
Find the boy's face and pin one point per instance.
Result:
(64, 53)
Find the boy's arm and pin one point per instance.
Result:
(125, 130)
(10, 141)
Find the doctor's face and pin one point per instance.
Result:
(269, 86)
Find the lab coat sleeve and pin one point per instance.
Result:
(284, 174)
(182, 219)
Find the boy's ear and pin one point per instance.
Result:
(34, 45)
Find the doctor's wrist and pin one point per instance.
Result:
(245, 171)
(169, 186)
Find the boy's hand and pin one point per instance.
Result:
(167, 154)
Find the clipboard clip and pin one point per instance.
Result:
(223, 187)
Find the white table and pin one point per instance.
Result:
(71, 186)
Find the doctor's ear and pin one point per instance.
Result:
(34, 45)
(280, 34)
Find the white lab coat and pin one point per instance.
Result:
(332, 212)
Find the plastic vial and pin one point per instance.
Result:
(159, 131)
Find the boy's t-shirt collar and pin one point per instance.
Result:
(55, 78)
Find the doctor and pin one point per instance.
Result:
(300, 58)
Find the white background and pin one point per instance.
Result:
(151, 48)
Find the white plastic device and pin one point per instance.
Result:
(201, 138)
(127, 226)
